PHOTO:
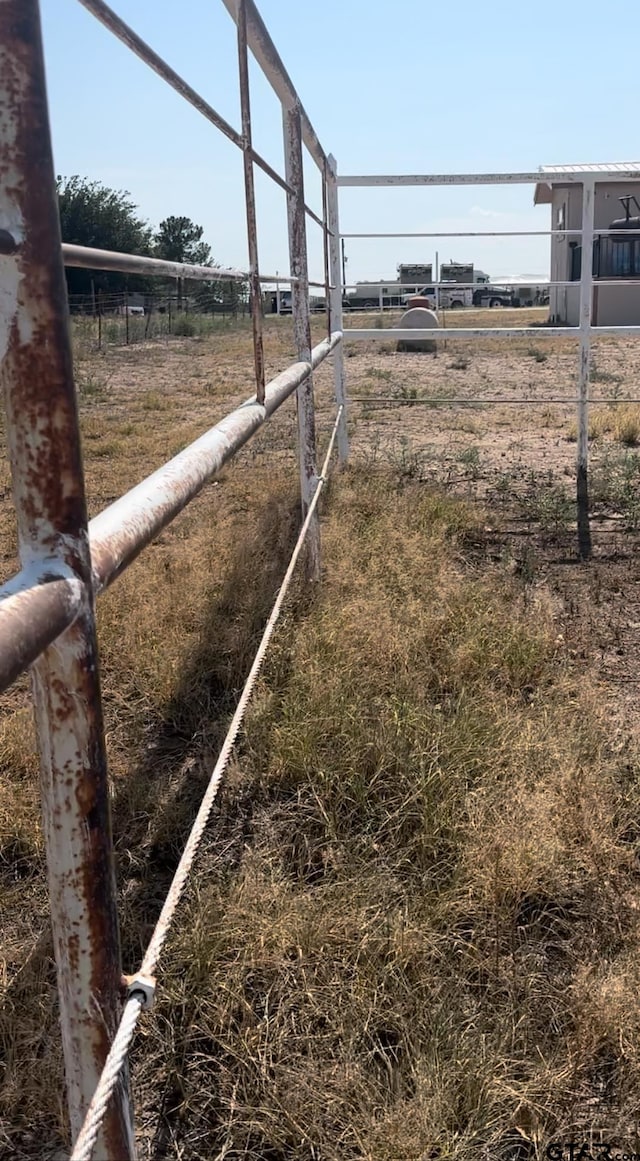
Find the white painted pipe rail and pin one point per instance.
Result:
(391, 334)
(91, 259)
(494, 234)
(533, 177)
(123, 529)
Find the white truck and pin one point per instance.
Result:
(450, 297)
(461, 285)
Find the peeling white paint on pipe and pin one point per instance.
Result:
(121, 531)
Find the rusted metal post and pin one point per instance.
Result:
(250, 198)
(302, 327)
(335, 274)
(48, 489)
(586, 294)
(325, 251)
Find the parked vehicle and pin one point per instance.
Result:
(493, 296)
(132, 311)
(450, 298)
(375, 295)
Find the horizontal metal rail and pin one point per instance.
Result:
(531, 178)
(493, 233)
(438, 401)
(269, 60)
(123, 529)
(386, 334)
(90, 259)
(34, 610)
(396, 288)
(124, 33)
(318, 220)
(141, 49)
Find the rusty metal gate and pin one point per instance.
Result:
(47, 611)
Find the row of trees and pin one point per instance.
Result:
(91, 214)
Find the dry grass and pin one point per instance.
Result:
(414, 929)
(417, 952)
(621, 423)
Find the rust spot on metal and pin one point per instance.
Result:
(73, 952)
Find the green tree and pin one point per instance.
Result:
(91, 214)
(180, 240)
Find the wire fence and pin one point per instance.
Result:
(118, 320)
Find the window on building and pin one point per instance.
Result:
(562, 210)
(610, 259)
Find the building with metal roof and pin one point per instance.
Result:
(616, 253)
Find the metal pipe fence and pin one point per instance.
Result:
(47, 611)
(585, 329)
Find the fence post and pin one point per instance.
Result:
(250, 199)
(325, 251)
(302, 327)
(48, 488)
(337, 324)
(586, 295)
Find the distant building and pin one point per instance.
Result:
(614, 258)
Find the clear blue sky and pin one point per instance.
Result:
(395, 87)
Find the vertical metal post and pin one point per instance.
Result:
(250, 198)
(336, 305)
(48, 489)
(302, 326)
(325, 252)
(586, 294)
